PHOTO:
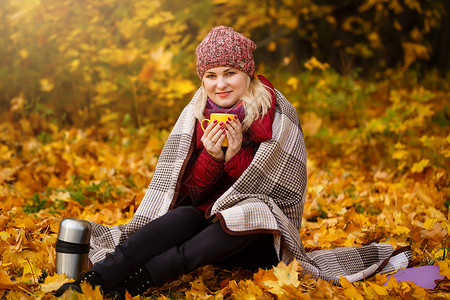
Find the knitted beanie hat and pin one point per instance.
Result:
(224, 47)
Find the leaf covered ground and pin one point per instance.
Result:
(377, 170)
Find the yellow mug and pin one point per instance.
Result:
(220, 118)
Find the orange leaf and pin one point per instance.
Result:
(8, 284)
(435, 236)
(444, 267)
(52, 283)
(349, 289)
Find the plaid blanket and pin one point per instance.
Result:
(268, 197)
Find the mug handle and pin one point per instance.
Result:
(201, 123)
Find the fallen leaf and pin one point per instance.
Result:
(8, 284)
(52, 283)
(349, 289)
(379, 289)
(323, 290)
(286, 276)
(198, 290)
(434, 237)
(444, 266)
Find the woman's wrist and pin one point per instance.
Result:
(217, 160)
(231, 153)
(217, 155)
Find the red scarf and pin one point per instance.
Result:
(237, 109)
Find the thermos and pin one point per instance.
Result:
(72, 247)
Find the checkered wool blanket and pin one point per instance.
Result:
(268, 197)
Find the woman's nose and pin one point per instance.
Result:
(221, 83)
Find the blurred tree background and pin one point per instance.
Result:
(100, 60)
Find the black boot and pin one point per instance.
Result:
(136, 284)
(90, 277)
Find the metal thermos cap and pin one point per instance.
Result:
(74, 231)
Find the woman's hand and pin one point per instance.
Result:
(212, 139)
(234, 136)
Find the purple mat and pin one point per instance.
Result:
(421, 276)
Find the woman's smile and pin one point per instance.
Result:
(223, 94)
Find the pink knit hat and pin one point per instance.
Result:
(224, 47)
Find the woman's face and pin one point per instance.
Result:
(225, 85)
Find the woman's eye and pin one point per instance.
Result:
(210, 76)
(231, 73)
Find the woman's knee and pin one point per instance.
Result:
(187, 213)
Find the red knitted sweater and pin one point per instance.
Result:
(207, 178)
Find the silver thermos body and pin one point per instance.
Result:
(72, 247)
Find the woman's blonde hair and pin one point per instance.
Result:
(256, 100)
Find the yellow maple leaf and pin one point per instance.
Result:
(7, 283)
(246, 290)
(30, 271)
(26, 223)
(368, 290)
(444, 266)
(285, 276)
(349, 289)
(198, 290)
(399, 229)
(381, 279)
(88, 293)
(379, 289)
(428, 224)
(52, 283)
(419, 166)
(263, 275)
(439, 253)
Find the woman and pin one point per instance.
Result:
(239, 205)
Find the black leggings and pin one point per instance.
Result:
(181, 241)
